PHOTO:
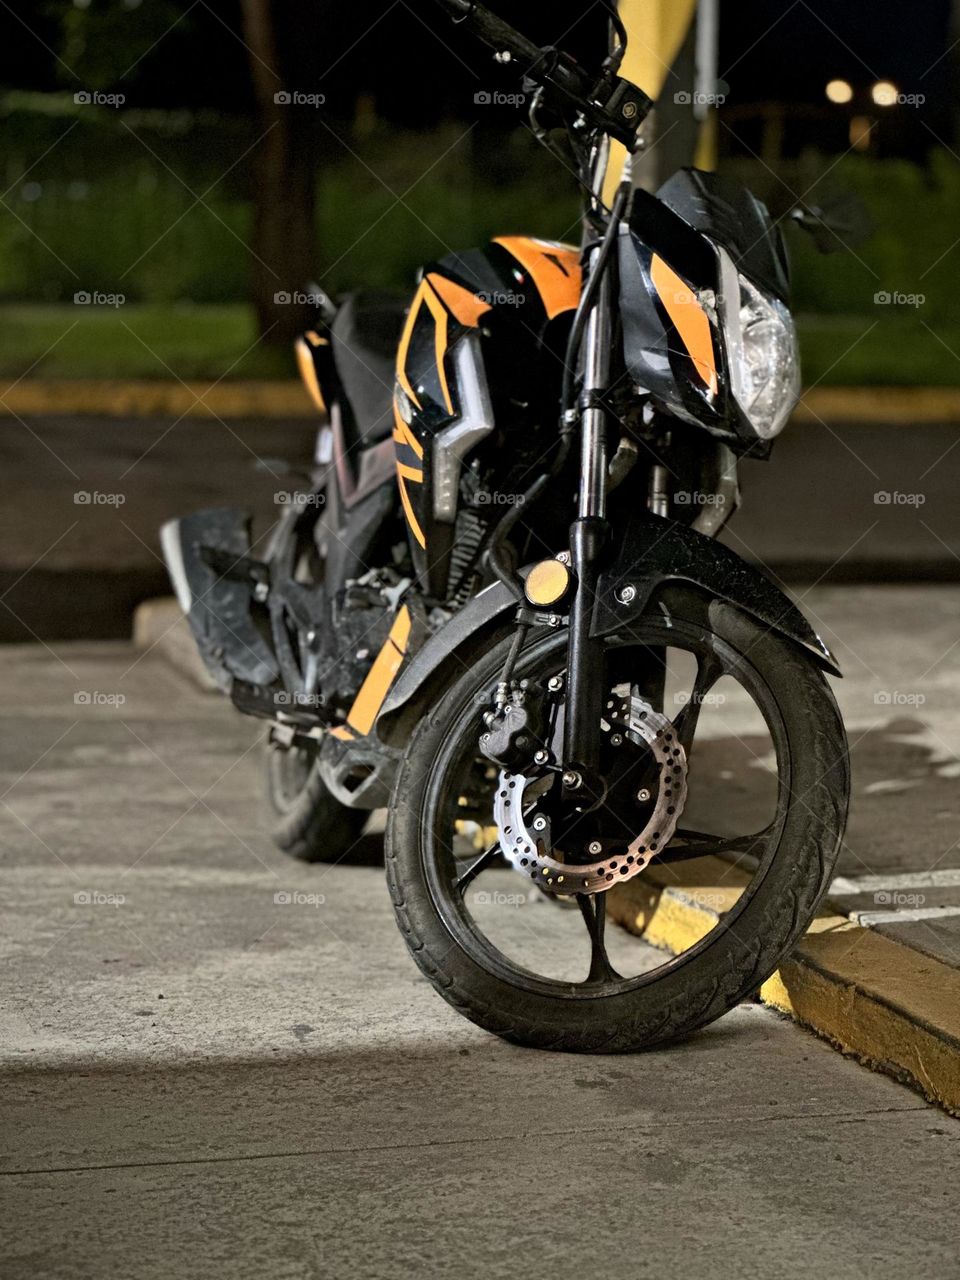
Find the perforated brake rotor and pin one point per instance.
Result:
(526, 851)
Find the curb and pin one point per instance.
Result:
(894, 1009)
(160, 627)
(890, 406)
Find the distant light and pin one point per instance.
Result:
(839, 91)
(884, 93)
(861, 131)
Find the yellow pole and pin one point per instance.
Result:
(656, 31)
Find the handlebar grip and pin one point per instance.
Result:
(615, 105)
(494, 31)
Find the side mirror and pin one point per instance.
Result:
(837, 225)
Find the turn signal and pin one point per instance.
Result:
(547, 583)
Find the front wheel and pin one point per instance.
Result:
(756, 821)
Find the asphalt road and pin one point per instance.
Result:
(197, 1078)
(75, 569)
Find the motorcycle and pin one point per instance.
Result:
(475, 612)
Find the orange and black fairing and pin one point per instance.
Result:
(315, 363)
(672, 306)
(474, 318)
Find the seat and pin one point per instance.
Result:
(365, 335)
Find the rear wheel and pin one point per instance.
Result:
(763, 801)
(311, 825)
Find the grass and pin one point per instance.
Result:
(159, 341)
(156, 341)
(884, 349)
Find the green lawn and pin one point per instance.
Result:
(887, 348)
(159, 340)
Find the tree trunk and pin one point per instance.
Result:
(284, 249)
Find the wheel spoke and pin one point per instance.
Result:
(709, 671)
(593, 908)
(477, 866)
(700, 844)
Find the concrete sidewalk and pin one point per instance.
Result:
(198, 1080)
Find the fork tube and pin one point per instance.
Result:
(593, 442)
(588, 535)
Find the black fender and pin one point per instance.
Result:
(650, 552)
(494, 605)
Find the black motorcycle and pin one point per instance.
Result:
(499, 609)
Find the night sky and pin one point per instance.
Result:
(785, 49)
(818, 40)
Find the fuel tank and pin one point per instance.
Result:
(479, 362)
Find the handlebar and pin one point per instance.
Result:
(609, 102)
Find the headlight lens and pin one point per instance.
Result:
(763, 357)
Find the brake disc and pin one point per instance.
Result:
(525, 848)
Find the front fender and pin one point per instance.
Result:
(650, 552)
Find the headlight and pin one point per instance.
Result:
(762, 353)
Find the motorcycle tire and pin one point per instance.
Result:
(311, 825)
(686, 991)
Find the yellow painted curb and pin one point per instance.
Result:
(889, 406)
(156, 399)
(893, 1008)
(884, 406)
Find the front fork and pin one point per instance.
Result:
(588, 539)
